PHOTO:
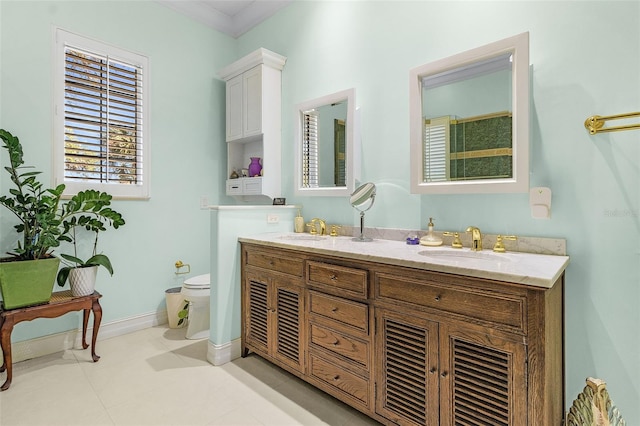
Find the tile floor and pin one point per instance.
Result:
(156, 377)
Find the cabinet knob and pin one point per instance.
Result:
(444, 374)
(437, 298)
(336, 377)
(336, 342)
(432, 370)
(334, 309)
(333, 277)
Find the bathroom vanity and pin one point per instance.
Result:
(410, 335)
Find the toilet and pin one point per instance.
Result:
(196, 292)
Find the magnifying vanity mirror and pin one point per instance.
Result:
(470, 121)
(325, 145)
(362, 199)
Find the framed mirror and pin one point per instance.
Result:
(469, 117)
(325, 154)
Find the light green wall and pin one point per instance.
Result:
(187, 132)
(586, 61)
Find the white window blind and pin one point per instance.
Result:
(104, 141)
(310, 150)
(436, 150)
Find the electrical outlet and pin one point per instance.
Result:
(204, 202)
(273, 218)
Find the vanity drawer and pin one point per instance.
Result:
(338, 277)
(350, 313)
(278, 263)
(505, 309)
(339, 378)
(341, 344)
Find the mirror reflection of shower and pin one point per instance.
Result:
(362, 199)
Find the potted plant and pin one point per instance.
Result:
(81, 273)
(44, 220)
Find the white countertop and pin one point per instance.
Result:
(253, 207)
(537, 270)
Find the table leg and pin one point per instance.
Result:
(85, 321)
(5, 343)
(97, 317)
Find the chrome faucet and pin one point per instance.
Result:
(323, 225)
(476, 238)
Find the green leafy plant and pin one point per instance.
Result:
(35, 207)
(89, 210)
(45, 220)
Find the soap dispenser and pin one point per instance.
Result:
(298, 224)
(430, 239)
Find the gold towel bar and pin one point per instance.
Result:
(594, 124)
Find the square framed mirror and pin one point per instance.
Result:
(469, 117)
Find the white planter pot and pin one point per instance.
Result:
(83, 280)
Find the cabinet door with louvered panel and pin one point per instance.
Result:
(482, 378)
(257, 313)
(406, 368)
(289, 325)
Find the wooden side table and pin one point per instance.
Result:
(61, 302)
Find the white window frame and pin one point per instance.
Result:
(63, 39)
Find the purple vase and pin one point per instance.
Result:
(255, 167)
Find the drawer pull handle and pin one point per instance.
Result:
(333, 277)
(336, 377)
(334, 309)
(432, 370)
(336, 342)
(444, 374)
(437, 298)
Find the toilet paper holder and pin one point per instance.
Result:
(180, 265)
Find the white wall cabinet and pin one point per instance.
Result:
(253, 122)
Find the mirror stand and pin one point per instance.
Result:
(362, 199)
(362, 238)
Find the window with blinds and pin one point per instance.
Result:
(101, 108)
(310, 150)
(436, 150)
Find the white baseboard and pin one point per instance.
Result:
(58, 342)
(226, 352)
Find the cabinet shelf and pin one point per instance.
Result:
(253, 120)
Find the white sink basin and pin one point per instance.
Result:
(301, 237)
(465, 255)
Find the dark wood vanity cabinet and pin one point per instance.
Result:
(464, 338)
(273, 308)
(408, 346)
(340, 338)
(430, 373)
